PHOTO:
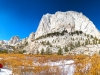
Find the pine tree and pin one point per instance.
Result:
(78, 43)
(60, 52)
(99, 52)
(42, 51)
(48, 52)
(37, 52)
(99, 41)
(80, 32)
(91, 36)
(94, 42)
(66, 49)
(77, 32)
(83, 44)
(48, 43)
(86, 42)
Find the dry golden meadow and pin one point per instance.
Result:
(22, 64)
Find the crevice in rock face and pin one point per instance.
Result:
(91, 31)
(81, 25)
(86, 25)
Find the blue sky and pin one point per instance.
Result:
(21, 17)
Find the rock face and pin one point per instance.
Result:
(26, 41)
(69, 21)
(50, 36)
(4, 45)
(31, 37)
(2, 42)
(14, 40)
(67, 31)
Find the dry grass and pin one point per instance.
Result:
(22, 64)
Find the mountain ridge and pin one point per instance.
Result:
(58, 31)
(69, 19)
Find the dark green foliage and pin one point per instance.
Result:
(91, 36)
(42, 52)
(24, 51)
(99, 52)
(95, 40)
(48, 43)
(48, 51)
(21, 52)
(66, 49)
(60, 52)
(43, 42)
(77, 32)
(58, 33)
(86, 42)
(3, 51)
(80, 32)
(87, 35)
(37, 52)
(71, 46)
(52, 34)
(75, 44)
(78, 43)
(21, 47)
(83, 44)
(72, 33)
(26, 43)
(99, 41)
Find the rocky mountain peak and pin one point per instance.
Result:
(14, 40)
(2, 42)
(70, 21)
(68, 31)
(31, 37)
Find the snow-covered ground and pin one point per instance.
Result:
(5, 72)
(67, 66)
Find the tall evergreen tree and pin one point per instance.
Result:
(48, 51)
(42, 51)
(60, 52)
(66, 49)
(78, 43)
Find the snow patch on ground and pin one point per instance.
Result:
(5, 72)
(66, 66)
